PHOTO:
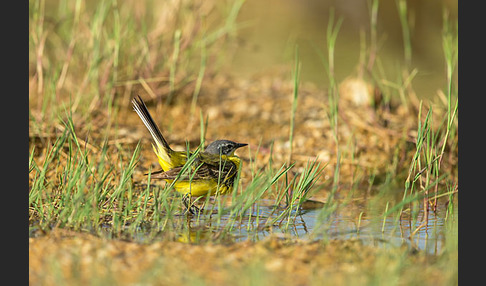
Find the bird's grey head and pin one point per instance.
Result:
(223, 147)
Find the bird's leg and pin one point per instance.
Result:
(186, 201)
(190, 207)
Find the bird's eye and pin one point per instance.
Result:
(225, 148)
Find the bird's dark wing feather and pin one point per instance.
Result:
(202, 171)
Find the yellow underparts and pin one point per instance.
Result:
(199, 188)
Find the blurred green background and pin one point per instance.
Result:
(275, 26)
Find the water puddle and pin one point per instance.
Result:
(391, 232)
(309, 224)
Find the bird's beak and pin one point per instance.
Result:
(239, 145)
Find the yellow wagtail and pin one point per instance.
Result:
(212, 171)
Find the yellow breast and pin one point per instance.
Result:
(212, 186)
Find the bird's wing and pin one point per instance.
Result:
(209, 169)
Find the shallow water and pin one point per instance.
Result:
(350, 221)
(341, 224)
(388, 232)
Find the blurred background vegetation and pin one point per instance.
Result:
(274, 27)
(164, 47)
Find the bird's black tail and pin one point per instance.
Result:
(161, 147)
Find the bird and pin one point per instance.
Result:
(193, 174)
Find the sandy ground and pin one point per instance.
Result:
(65, 257)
